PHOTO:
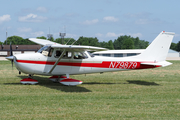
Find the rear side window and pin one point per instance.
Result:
(80, 55)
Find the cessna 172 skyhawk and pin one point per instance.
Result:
(57, 60)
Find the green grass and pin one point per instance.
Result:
(138, 94)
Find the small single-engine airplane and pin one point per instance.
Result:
(60, 61)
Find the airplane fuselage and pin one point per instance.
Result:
(38, 63)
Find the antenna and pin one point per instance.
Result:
(65, 29)
(6, 36)
(49, 36)
(62, 36)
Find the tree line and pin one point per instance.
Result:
(122, 42)
(175, 46)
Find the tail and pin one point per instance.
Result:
(157, 51)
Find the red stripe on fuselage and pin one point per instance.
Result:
(104, 64)
(36, 62)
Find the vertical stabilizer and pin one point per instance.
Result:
(157, 51)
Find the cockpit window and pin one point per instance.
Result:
(46, 50)
(80, 55)
(43, 49)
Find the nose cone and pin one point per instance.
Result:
(10, 57)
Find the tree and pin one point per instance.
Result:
(136, 42)
(128, 44)
(173, 46)
(178, 47)
(122, 42)
(51, 39)
(118, 42)
(110, 45)
(69, 41)
(143, 44)
(87, 41)
(103, 44)
(42, 37)
(28, 42)
(16, 40)
(59, 40)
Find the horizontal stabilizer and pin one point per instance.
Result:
(162, 64)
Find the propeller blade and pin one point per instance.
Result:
(11, 57)
(12, 63)
(11, 54)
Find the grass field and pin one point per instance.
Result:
(139, 95)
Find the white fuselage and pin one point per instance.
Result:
(57, 59)
(37, 63)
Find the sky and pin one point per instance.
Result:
(104, 19)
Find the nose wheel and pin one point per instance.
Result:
(29, 80)
(30, 76)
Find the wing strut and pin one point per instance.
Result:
(57, 61)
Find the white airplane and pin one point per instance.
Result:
(60, 61)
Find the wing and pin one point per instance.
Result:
(66, 47)
(43, 42)
(78, 48)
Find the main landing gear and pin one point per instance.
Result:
(65, 81)
(58, 79)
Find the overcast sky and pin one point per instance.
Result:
(104, 19)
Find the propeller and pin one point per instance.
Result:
(11, 57)
(11, 54)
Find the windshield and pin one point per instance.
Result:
(45, 50)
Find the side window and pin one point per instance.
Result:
(80, 55)
(131, 54)
(67, 54)
(57, 53)
(118, 55)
